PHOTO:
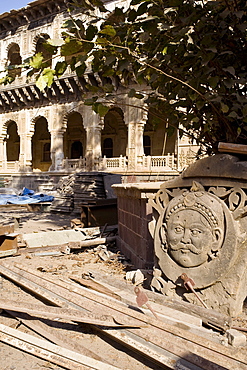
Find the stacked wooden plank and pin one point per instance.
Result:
(169, 346)
(87, 188)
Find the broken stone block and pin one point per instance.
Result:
(236, 338)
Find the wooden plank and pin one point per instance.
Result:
(209, 317)
(207, 352)
(50, 351)
(57, 313)
(95, 285)
(232, 148)
(83, 292)
(52, 335)
(130, 298)
(163, 358)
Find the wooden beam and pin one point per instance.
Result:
(155, 353)
(232, 148)
(49, 351)
(55, 313)
(50, 333)
(168, 337)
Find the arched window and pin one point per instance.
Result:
(14, 59)
(76, 150)
(147, 145)
(46, 152)
(107, 149)
(42, 47)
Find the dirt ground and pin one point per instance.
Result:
(77, 264)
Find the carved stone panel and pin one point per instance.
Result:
(200, 231)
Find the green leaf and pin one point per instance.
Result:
(224, 107)
(102, 109)
(41, 82)
(90, 101)
(91, 32)
(36, 61)
(45, 79)
(81, 69)
(71, 47)
(108, 88)
(60, 68)
(102, 41)
(108, 30)
(131, 93)
(164, 51)
(213, 81)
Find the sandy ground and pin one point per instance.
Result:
(75, 264)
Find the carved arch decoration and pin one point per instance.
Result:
(5, 128)
(38, 47)
(66, 118)
(33, 122)
(14, 58)
(118, 114)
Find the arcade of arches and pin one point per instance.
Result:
(79, 138)
(52, 130)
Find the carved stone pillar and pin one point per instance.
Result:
(131, 152)
(3, 153)
(57, 151)
(26, 151)
(93, 145)
(139, 143)
(22, 154)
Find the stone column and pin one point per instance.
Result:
(131, 151)
(57, 152)
(93, 142)
(22, 154)
(2, 152)
(26, 151)
(139, 143)
(136, 118)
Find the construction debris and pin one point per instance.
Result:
(166, 344)
(83, 188)
(8, 239)
(59, 304)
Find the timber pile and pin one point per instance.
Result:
(168, 345)
(79, 189)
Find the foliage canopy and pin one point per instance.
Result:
(190, 54)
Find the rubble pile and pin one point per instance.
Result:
(81, 188)
(72, 304)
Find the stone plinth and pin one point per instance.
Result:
(134, 216)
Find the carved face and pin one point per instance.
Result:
(190, 238)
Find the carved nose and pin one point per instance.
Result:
(186, 237)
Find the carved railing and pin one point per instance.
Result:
(10, 166)
(117, 163)
(74, 164)
(154, 162)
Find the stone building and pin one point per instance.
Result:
(53, 132)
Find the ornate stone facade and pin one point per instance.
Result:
(199, 229)
(52, 130)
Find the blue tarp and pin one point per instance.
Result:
(27, 197)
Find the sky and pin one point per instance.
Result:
(7, 5)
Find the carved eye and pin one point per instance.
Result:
(178, 229)
(195, 232)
